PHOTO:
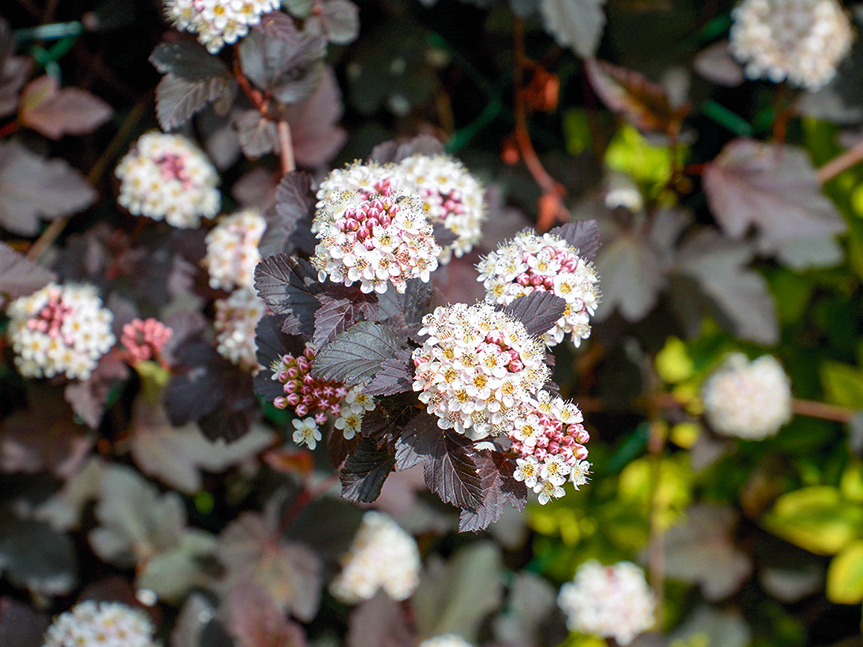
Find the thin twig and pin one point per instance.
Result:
(841, 163)
(286, 147)
(9, 128)
(55, 228)
(821, 410)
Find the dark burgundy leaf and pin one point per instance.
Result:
(340, 309)
(35, 556)
(55, 112)
(583, 235)
(538, 311)
(378, 426)
(32, 187)
(178, 99)
(280, 26)
(741, 295)
(289, 222)
(395, 375)
(13, 70)
(188, 60)
(772, 188)
(20, 625)
(340, 447)
(379, 622)
(233, 423)
(499, 487)
(418, 441)
(88, 397)
(407, 308)
(290, 72)
(365, 471)
(314, 130)
(632, 276)
(443, 236)
(451, 472)
(20, 277)
(289, 286)
(338, 21)
(356, 354)
(258, 135)
(394, 151)
(254, 619)
(630, 94)
(717, 65)
(272, 343)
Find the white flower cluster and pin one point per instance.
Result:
(100, 624)
(445, 640)
(218, 22)
(477, 367)
(747, 400)
(544, 263)
(232, 250)
(60, 330)
(608, 601)
(453, 196)
(236, 319)
(548, 438)
(376, 241)
(450, 195)
(382, 555)
(167, 177)
(799, 40)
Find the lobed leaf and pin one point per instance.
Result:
(356, 354)
(289, 286)
(19, 276)
(377, 622)
(258, 135)
(395, 376)
(55, 112)
(583, 235)
(179, 99)
(498, 487)
(340, 309)
(574, 23)
(417, 442)
(451, 471)
(289, 222)
(365, 471)
(538, 311)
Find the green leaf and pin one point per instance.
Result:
(845, 576)
(816, 518)
(843, 384)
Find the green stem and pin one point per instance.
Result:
(54, 31)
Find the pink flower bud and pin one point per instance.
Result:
(301, 410)
(516, 366)
(280, 402)
(293, 399)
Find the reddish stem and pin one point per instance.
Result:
(9, 128)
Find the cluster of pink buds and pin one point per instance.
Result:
(304, 394)
(376, 238)
(145, 339)
(548, 440)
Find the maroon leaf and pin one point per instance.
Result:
(35, 556)
(365, 471)
(452, 471)
(32, 187)
(338, 21)
(632, 276)
(43, 437)
(279, 25)
(88, 397)
(288, 71)
(407, 308)
(340, 309)
(718, 66)
(418, 441)
(289, 223)
(538, 311)
(772, 188)
(395, 375)
(583, 235)
(13, 71)
(314, 130)
(258, 135)
(289, 286)
(20, 625)
(254, 620)
(19, 276)
(630, 94)
(178, 99)
(356, 354)
(55, 112)
(741, 295)
(499, 487)
(340, 447)
(379, 622)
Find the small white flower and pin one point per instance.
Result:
(218, 22)
(799, 40)
(580, 473)
(547, 491)
(527, 470)
(306, 432)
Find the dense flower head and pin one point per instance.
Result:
(306, 395)
(376, 240)
(445, 640)
(548, 438)
(546, 263)
(145, 339)
(100, 624)
(167, 177)
(799, 40)
(382, 555)
(608, 601)
(453, 197)
(60, 330)
(218, 22)
(237, 316)
(745, 399)
(232, 250)
(476, 368)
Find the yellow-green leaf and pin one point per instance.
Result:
(843, 384)
(816, 518)
(845, 576)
